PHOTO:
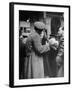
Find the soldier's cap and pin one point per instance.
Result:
(39, 25)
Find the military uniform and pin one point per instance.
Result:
(34, 67)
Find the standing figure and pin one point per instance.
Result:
(60, 55)
(22, 53)
(34, 67)
(47, 69)
(53, 42)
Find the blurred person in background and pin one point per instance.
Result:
(60, 54)
(22, 52)
(23, 35)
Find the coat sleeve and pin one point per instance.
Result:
(38, 45)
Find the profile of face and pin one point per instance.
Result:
(60, 31)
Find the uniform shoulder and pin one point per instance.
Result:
(35, 35)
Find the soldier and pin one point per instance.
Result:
(34, 67)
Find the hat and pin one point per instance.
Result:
(39, 25)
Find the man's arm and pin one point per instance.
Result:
(38, 45)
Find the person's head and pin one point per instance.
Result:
(39, 27)
(60, 31)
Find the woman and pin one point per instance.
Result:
(34, 67)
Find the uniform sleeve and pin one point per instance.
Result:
(38, 45)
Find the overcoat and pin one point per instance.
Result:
(34, 66)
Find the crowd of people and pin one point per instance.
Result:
(40, 56)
